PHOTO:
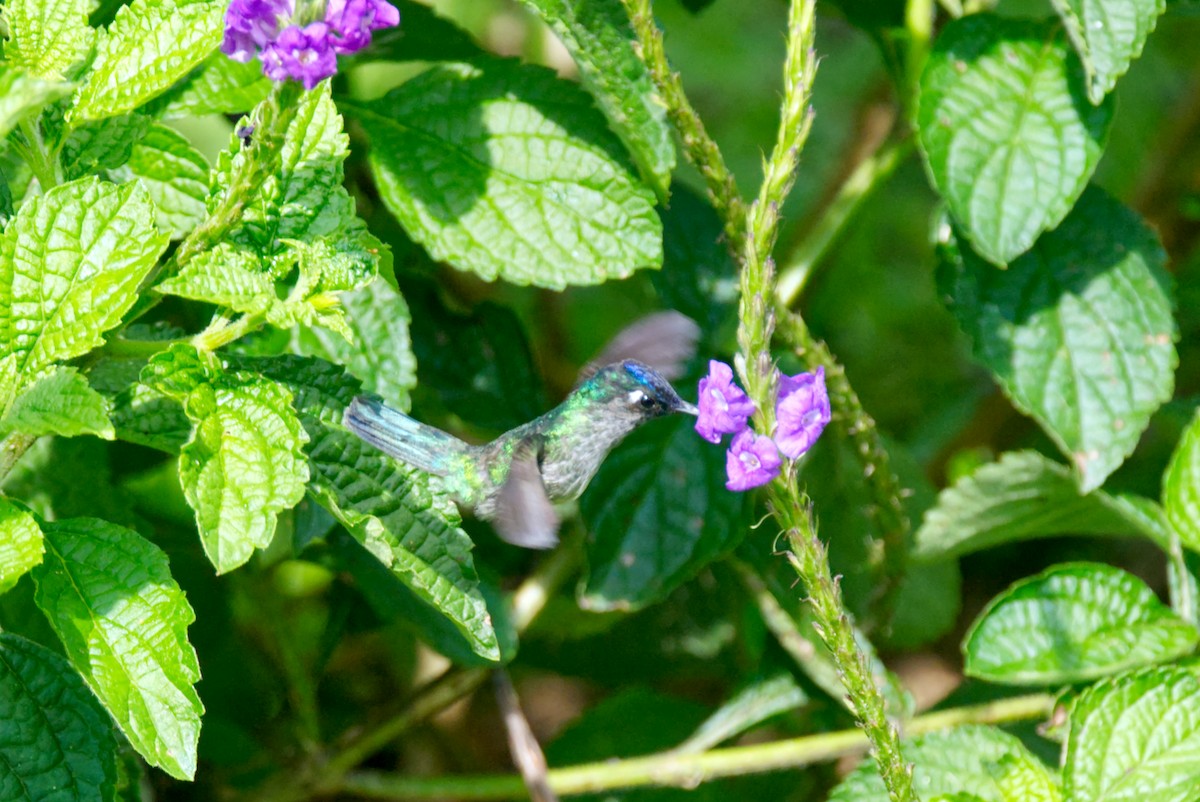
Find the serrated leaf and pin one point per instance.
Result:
(1108, 35)
(219, 85)
(57, 742)
(1006, 130)
(149, 46)
(102, 145)
(22, 94)
(749, 707)
(1078, 332)
(658, 512)
(61, 403)
(174, 174)
(149, 418)
(1181, 486)
(979, 761)
(380, 353)
(122, 619)
(1021, 497)
(1073, 622)
(392, 509)
(598, 35)
(1135, 737)
(70, 265)
(20, 544)
(503, 170)
(47, 39)
(226, 276)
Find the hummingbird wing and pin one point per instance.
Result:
(524, 515)
(664, 340)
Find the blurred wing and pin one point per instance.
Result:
(664, 340)
(524, 514)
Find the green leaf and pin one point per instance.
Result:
(102, 145)
(244, 463)
(1181, 486)
(699, 277)
(174, 174)
(1078, 331)
(53, 493)
(70, 265)
(1108, 35)
(22, 95)
(1021, 497)
(1135, 737)
(503, 170)
(20, 544)
(394, 510)
(599, 37)
(1073, 622)
(380, 354)
(149, 418)
(57, 742)
(149, 46)
(966, 762)
(1006, 129)
(226, 276)
(422, 35)
(109, 596)
(658, 512)
(758, 702)
(61, 403)
(219, 85)
(47, 39)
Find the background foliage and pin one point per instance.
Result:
(210, 589)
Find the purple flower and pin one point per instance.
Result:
(724, 408)
(251, 25)
(752, 460)
(801, 412)
(304, 54)
(351, 22)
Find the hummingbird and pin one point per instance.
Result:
(515, 479)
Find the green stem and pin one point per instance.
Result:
(36, 156)
(698, 146)
(869, 174)
(673, 769)
(222, 331)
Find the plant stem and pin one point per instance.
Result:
(869, 174)
(682, 770)
(222, 331)
(698, 146)
(39, 161)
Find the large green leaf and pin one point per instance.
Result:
(102, 144)
(1078, 331)
(1025, 496)
(47, 39)
(394, 510)
(506, 171)
(1135, 738)
(658, 512)
(57, 743)
(219, 85)
(1181, 486)
(22, 94)
(20, 543)
(598, 35)
(1108, 35)
(175, 175)
(1006, 129)
(1073, 622)
(60, 403)
(422, 35)
(967, 762)
(109, 595)
(70, 265)
(149, 46)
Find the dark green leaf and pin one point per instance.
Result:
(1073, 622)
(1108, 35)
(506, 171)
(422, 35)
(1078, 332)
(20, 543)
(102, 145)
(698, 276)
(123, 621)
(56, 743)
(53, 493)
(1006, 129)
(758, 702)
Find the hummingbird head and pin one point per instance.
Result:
(634, 390)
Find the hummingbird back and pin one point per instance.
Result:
(399, 436)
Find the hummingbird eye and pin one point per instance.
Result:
(642, 400)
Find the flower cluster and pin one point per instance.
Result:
(308, 53)
(801, 412)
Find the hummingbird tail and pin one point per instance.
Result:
(399, 436)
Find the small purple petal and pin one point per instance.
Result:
(801, 412)
(251, 25)
(351, 22)
(724, 408)
(752, 460)
(303, 54)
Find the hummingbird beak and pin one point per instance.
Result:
(690, 409)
